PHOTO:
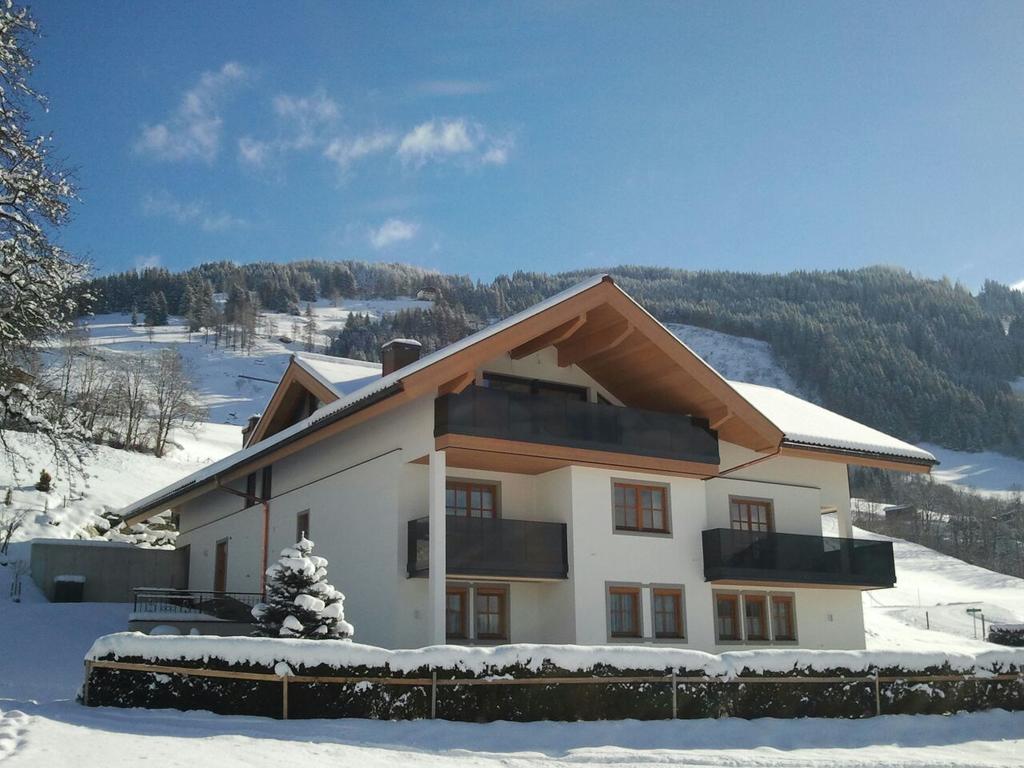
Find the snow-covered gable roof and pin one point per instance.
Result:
(338, 373)
(805, 423)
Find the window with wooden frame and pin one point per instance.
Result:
(467, 498)
(783, 617)
(624, 612)
(751, 515)
(755, 616)
(727, 617)
(490, 609)
(640, 508)
(457, 613)
(302, 525)
(667, 606)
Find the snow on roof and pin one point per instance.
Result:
(809, 424)
(341, 374)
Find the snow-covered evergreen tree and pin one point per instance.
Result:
(38, 280)
(299, 600)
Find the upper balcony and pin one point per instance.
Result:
(732, 556)
(578, 426)
(493, 547)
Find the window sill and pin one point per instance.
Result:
(636, 532)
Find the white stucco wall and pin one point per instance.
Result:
(361, 489)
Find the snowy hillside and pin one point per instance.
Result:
(737, 358)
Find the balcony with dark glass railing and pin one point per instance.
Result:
(492, 548)
(514, 416)
(736, 556)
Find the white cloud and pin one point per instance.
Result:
(1018, 286)
(392, 231)
(303, 122)
(345, 151)
(192, 131)
(253, 151)
(190, 212)
(147, 261)
(437, 140)
(453, 87)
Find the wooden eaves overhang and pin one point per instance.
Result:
(595, 326)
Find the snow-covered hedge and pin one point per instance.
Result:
(1007, 634)
(533, 702)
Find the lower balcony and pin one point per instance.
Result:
(739, 557)
(493, 548)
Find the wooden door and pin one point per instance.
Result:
(220, 567)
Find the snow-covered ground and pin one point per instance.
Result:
(42, 646)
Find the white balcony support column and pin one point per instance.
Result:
(436, 578)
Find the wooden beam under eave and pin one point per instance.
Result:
(456, 385)
(719, 418)
(577, 350)
(554, 336)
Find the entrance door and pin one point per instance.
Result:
(220, 567)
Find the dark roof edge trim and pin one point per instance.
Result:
(787, 443)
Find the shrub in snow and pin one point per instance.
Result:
(1007, 634)
(299, 600)
(45, 481)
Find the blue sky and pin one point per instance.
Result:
(487, 137)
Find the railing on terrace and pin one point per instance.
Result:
(483, 412)
(226, 606)
(496, 547)
(791, 557)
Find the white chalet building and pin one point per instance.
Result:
(573, 474)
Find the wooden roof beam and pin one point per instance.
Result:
(576, 350)
(557, 334)
(456, 385)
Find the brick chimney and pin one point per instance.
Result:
(249, 427)
(398, 353)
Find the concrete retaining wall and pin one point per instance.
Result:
(111, 569)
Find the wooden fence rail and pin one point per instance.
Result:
(433, 682)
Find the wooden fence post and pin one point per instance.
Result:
(284, 697)
(85, 685)
(878, 695)
(675, 704)
(433, 695)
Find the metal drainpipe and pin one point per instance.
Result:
(266, 545)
